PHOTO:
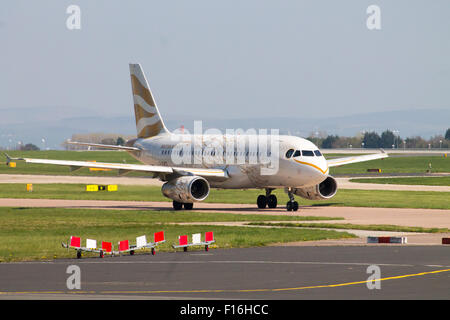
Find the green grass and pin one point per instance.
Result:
(412, 164)
(345, 226)
(426, 181)
(344, 197)
(37, 233)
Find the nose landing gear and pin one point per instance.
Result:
(292, 205)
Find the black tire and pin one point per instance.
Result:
(206, 248)
(185, 249)
(102, 254)
(261, 201)
(78, 254)
(289, 206)
(272, 201)
(153, 251)
(131, 252)
(177, 205)
(188, 206)
(295, 206)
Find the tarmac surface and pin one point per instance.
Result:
(252, 273)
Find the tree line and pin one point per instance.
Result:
(387, 139)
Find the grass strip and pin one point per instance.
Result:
(424, 181)
(347, 226)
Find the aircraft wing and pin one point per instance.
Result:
(105, 146)
(347, 160)
(123, 168)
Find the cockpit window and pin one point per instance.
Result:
(297, 153)
(307, 153)
(289, 153)
(317, 153)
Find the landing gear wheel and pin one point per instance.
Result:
(78, 254)
(131, 252)
(188, 206)
(206, 248)
(261, 201)
(289, 206)
(185, 249)
(101, 254)
(153, 251)
(177, 205)
(292, 206)
(272, 201)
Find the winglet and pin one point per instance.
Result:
(8, 158)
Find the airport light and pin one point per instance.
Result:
(396, 133)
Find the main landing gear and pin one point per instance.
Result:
(179, 205)
(268, 200)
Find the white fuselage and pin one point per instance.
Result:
(303, 166)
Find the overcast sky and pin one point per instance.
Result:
(227, 58)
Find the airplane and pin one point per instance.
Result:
(296, 164)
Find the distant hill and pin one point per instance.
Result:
(55, 124)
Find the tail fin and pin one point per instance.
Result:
(148, 120)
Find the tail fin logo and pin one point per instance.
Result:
(148, 119)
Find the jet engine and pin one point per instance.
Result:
(322, 191)
(186, 189)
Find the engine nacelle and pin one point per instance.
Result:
(186, 189)
(322, 191)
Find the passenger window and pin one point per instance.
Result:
(317, 153)
(297, 153)
(307, 153)
(289, 153)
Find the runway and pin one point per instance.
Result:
(251, 273)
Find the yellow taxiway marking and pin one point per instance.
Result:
(233, 290)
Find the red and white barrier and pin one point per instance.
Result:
(91, 246)
(196, 241)
(124, 246)
(401, 240)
